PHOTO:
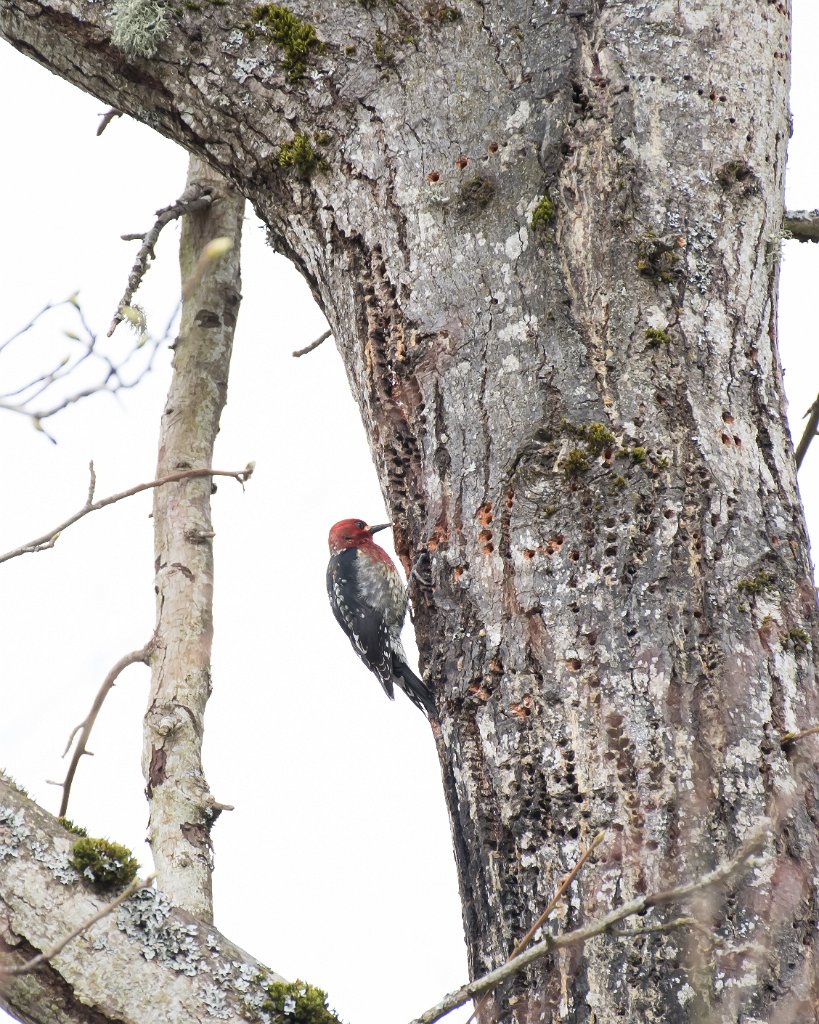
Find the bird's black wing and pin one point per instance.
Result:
(359, 620)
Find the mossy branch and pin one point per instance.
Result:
(104, 864)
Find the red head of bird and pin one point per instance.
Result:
(353, 533)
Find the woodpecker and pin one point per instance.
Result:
(369, 602)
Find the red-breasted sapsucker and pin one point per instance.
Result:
(369, 602)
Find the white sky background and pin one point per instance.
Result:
(336, 864)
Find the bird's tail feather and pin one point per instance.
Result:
(416, 689)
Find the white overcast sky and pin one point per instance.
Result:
(336, 864)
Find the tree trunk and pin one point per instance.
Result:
(546, 238)
(182, 809)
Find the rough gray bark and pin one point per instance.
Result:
(182, 809)
(622, 619)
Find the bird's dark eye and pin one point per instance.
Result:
(359, 525)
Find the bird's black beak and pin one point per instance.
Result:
(383, 526)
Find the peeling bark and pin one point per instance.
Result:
(576, 407)
(182, 809)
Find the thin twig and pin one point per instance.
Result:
(792, 737)
(92, 483)
(490, 981)
(553, 902)
(107, 118)
(313, 344)
(85, 727)
(564, 885)
(193, 198)
(40, 383)
(669, 926)
(105, 386)
(20, 398)
(809, 432)
(63, 368)
(48, 540)
(37, 316)
(42, 958)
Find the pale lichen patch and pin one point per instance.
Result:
(13, 831)
(519, 118)
(514, 246)
(245, 66)
(147, 919)
(511, 363)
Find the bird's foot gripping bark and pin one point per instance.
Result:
(415, 571)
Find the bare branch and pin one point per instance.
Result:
(49, 539)
(85, 727)
(193, 198)
(42, 958)
(20, 398)
(107, 118)
(488, 982)
(92, 483)
(313, 344)
(809, 432)
(553, 902)
(669, 926)
(37, 316)
(792, 737)
(564, 885)
(65, 365)
(38, 384)
(803, 225)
